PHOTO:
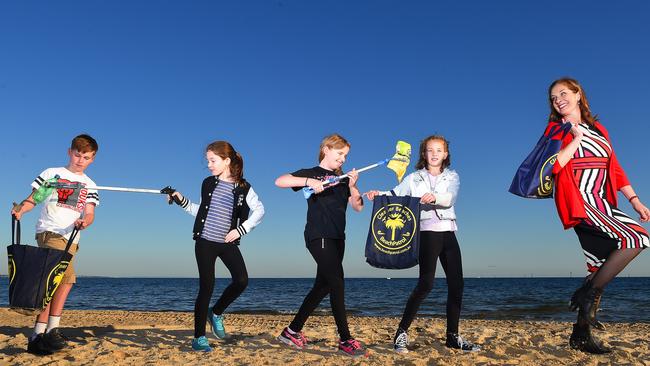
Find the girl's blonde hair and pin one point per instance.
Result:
(333, 141)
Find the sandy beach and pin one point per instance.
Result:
(163, 338)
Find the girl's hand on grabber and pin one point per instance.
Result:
(232, 236)
(177, 197)
(172, 195)
(315, 184)
(354, 176)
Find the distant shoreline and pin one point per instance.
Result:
(347, 277)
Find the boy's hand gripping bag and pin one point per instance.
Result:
(34, 273)
(534, 178)
(394, 234)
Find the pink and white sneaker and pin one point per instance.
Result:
(296, 340)
(352, 348)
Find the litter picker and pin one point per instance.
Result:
(398, 163)
(167, 190)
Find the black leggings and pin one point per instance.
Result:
(328, 254)
(206, 253)
(434, 245)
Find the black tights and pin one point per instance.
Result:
(328, 254)
(600, 245)
(434, 245)
(615, 263)
(206, 253)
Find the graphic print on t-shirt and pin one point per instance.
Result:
(74, 199)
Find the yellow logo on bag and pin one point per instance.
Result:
(11, 269)
(546, 181)
(54, 280)
(387, 225)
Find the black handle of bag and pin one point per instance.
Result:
(15, 230)
(15, 233)
(73, 234)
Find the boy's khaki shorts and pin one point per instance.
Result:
(48, 239)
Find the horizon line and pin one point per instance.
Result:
(387, 278)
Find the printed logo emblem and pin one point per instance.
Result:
(54, 280)
(11, 269)
(393, 228)
(546, 177)
(72, 198)
(64, 194)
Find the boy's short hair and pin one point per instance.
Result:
(84, 143)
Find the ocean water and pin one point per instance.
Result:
(625, 299)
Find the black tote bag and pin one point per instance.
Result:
(34, 273)
(394, 234)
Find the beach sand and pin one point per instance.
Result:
(163, 338)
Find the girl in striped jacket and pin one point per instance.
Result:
(229, 208)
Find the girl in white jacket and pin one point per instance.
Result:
(437, 186)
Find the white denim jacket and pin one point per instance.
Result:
(418, 183)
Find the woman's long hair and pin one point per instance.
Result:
(583, 103)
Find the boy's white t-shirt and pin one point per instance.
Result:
(64, 206)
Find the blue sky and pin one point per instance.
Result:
(155, 82)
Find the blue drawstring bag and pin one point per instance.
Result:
(534, 178)
(394, 234)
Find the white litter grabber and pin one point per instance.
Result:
(167, 190)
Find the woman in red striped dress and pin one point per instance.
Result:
(588, 178)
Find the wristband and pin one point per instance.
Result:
(306, 179)
(29, 201)
(633, 197)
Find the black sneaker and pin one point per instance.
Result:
(55, 340)
(456, 341)
(37, 346)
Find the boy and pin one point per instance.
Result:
(62, 211)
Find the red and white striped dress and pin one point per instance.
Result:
(590, 170)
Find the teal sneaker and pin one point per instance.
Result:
(201, 344)
(216, 322)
